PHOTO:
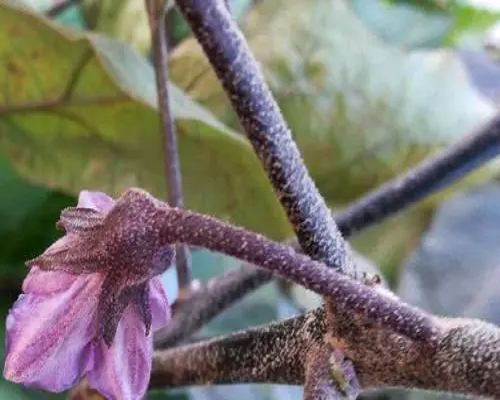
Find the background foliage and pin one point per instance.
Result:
(369, 88)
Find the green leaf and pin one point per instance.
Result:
(426, 5)
(361, 111)
(27, 222)
(404, 24)
(470, 25)
(125, 20)
(80, 112)
(470, 19)
(19, 200)
(36, 232)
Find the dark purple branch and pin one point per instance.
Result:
(429, 176)
(464, 357)
(175, 225)
(389, 342)
(276, 349)
(236, 68)
(144, 229)
(156, 15)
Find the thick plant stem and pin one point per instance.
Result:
(156, 15)
(429, 176)
(235, 358)
(236, 68)
(389, 342)
(147, 228)
(174, 225)
(464, 358)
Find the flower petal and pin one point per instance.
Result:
(49, 337)
(160, 309)
(122, 370)
(46, 282)
(95, 200)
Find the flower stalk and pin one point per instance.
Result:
(463, 358)
(165, 226)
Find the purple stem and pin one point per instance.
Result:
(172, 173)
(449, 165)
(241, 78)
(180, 226)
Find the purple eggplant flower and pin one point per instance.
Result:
(91, 302)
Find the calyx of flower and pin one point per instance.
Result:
(122, 245)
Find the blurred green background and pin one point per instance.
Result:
(369, 88)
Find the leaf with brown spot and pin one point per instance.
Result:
(84, 115)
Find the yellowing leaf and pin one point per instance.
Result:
(80, 112)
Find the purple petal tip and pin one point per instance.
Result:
(97, 201)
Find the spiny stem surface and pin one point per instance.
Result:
(241, 78)
(180, 226)
(432, 174)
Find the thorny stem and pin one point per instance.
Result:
(236, 68)
(180, 226)
(465, 357)
(233, 358)
(432, 174)
(156, 16)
